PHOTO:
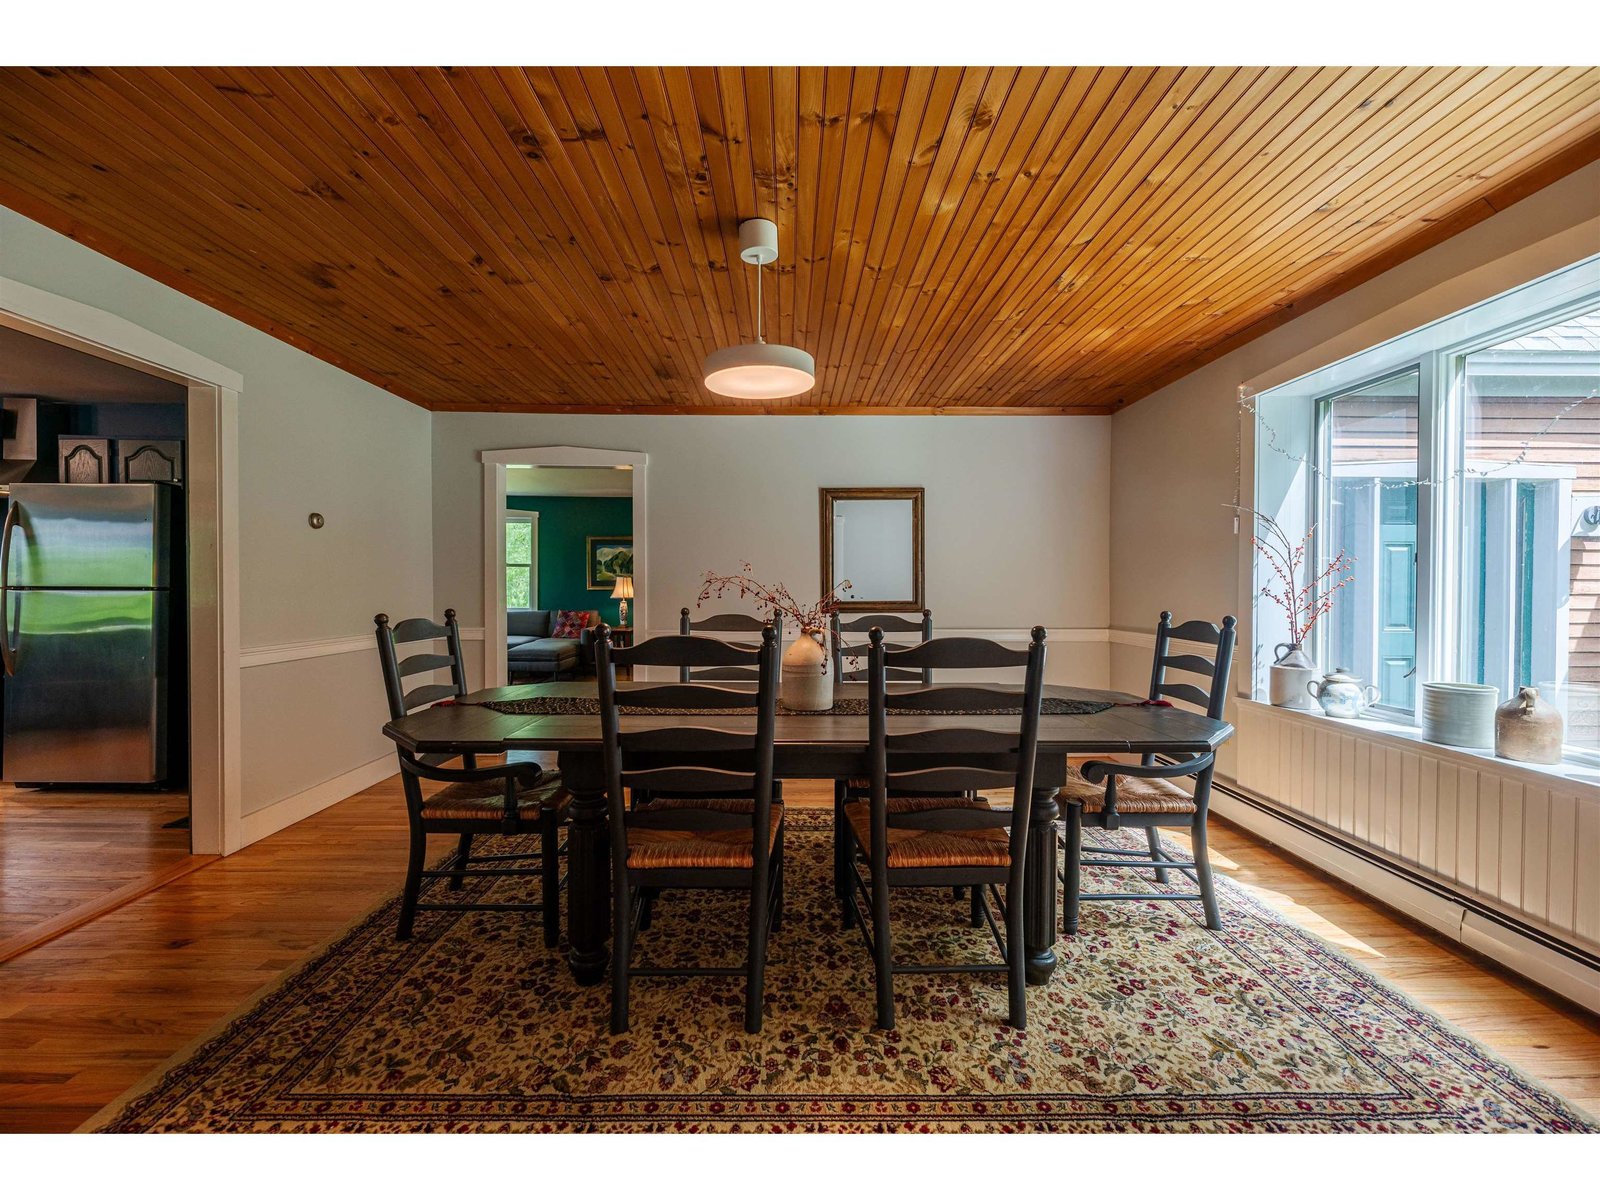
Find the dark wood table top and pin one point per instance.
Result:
(468, 727)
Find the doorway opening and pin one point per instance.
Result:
(94, 712)
(90, 392)
(564, 533)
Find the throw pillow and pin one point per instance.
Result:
(570, 624)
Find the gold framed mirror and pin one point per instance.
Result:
(873, 537)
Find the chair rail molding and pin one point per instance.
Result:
(495, 463)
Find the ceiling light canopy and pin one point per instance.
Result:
(759, 370)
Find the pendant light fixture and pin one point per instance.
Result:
(759, 370)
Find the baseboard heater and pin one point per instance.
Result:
(1472, 904)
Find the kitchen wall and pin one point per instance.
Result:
(311, 437)
(1017, 508)
(565, 525)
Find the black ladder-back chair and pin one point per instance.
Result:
(713, 822)
(918, 829)
(889, 623)
(726, 623)
(510, 799)
(845, 790)
(1113, 795)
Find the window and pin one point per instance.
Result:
(1459, 464)
(1370, 511)
(520, 582)
(1530, 445)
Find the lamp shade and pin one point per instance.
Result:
(759, 371)
(623, 589)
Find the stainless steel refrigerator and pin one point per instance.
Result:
(89, 636)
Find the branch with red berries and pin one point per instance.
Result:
(1303, 605)
(811, 620)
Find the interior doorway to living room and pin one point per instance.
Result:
(569, 555)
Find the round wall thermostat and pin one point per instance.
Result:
(315, 521)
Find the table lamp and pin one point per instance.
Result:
(623, 592)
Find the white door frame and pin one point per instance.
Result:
(495, 463)
(212, 489)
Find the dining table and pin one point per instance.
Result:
(563, 718)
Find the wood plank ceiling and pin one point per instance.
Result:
(953, 239)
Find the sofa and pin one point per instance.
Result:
(531, 651)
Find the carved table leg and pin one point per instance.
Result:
(588, 868)
(1040, 886)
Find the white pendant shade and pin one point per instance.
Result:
(759, 371)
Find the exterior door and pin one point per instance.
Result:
(1397, 595)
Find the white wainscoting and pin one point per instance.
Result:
(1521, 841)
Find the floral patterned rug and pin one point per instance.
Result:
(1150, 1023)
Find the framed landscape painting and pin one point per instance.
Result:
(608, 557)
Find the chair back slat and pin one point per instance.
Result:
(1196, 631)
(720, 623)
(726, 623)
(687, 695)
(1186, 692)
(1214, 694)
(680, 650)
(695, 740)
(956, 653)
(397, 670)
(703, 760)
(429, 693)
(959, 759)
(958, 698)
(1192, 663)
(888, 623)
(419, 629)
(953, 741)
(417, 664)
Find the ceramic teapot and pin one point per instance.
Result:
(1341, 694)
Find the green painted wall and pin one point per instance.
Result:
(565, 522)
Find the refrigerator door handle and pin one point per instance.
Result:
(8, 659)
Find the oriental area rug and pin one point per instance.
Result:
(1151, 1023)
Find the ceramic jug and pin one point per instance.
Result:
(1341, 694)
(806, 683)
(1528, 729)
(1289, 676)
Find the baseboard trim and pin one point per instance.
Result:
(1567, 970)
(292, 809)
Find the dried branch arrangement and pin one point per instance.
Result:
(811, 620)
(1305, 604)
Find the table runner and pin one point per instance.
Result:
(845, 706)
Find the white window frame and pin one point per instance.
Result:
(523, 517)
(1438, 352)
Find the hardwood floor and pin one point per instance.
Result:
(62, 850)
(88, 1015)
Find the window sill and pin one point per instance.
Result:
(1584, 777)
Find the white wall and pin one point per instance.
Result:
(1016, 511)
(311, 438)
